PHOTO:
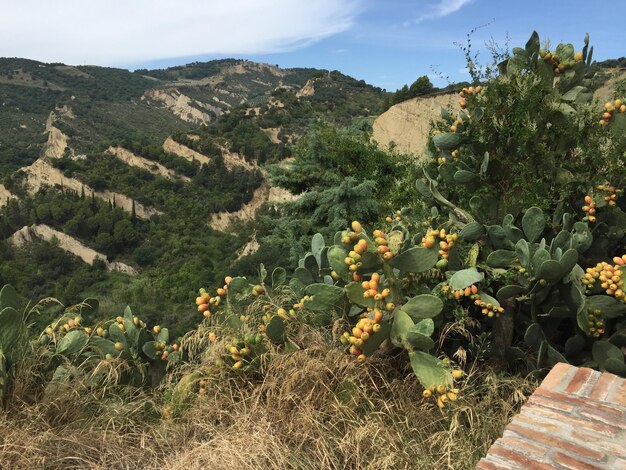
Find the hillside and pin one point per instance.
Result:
(406, 125)
(151, 168)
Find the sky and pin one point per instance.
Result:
(387, 43)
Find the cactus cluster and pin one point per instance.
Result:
(610, 277)
(243, 354)
(611, 107)
(443, 393)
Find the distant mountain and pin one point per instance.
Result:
(108, 105)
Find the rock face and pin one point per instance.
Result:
(171, 146)
(181, 105)
(264, 193)
(407, 124)
(5, 195)
(41, 174)
(57, 141)
(69, 244)
(308, 89)
(143, 163)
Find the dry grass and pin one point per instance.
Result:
(316, 408)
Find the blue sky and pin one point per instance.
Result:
(385, 42)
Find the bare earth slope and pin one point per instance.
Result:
(407, 124)
(5, 195)
(41, 173)
(264, 193)
(155, 168)
(171, 146)
(69, 244)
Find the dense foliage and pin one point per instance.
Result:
(508, 244)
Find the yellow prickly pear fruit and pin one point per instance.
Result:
(212, 337)
(441, 389)
(440, 403)
(451, 396)
(356, 227)
(361, 358)
(233, 350)
(237, 365)
(427, 393)
(457, 373)
(49, 331)
(119, 346)
(100, 331)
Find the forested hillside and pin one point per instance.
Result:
(140, 166)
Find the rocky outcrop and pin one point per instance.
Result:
(308, 89)
(153, 167)
(69, 244)
(264, 193)
(41, 174)
(57, 141)
(171, 146)
(5, 195)
(407, 124)
(182, 106)
(56, 144)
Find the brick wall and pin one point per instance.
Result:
(576, 420)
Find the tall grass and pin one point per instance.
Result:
(311, 409)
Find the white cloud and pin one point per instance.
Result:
(116, 32)
(441, 9)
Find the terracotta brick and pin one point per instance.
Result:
(602, 387)
(575, 420)
(536, 423)
(617, 394)
(585, 437)
(489, 465)
(525, 446)
(551, 403)
(565, 419)
(518, 460)
(556, 442)
(579, 380)
(541, 395)
(574, 464)
(555, 379)
(611, 419)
